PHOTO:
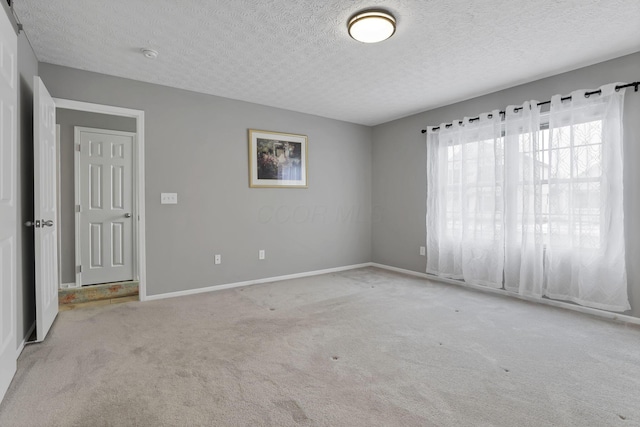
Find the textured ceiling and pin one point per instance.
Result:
(297, 55)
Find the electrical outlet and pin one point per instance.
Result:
(422, 251)
(218, 259)
(168, 198)
(261, 254)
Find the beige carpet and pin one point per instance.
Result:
(359, 348)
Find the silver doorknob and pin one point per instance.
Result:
(47, 223)
(127, 215)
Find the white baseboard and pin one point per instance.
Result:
(254, 282)
(400, 270)
(554, 303)
(24, 340)
(68, 285)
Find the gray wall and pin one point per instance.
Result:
(27, 68)
(399, 165)
(68, 119)
(197, 146)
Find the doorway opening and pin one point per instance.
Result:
(110, 142)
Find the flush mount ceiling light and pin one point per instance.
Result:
(149, 53)
(372, 26)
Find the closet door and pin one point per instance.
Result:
(8, 200)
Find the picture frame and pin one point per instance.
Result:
(277, 160)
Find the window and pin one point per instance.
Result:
(474, 174)
(568, 163)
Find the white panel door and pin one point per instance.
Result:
(106, 205)
(45, 208)
(8, 203)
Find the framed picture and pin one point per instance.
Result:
(277, 159)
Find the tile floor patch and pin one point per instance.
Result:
(87, 296)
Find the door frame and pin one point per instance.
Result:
(139, 245)
(58, 204)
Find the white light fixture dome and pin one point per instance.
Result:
(372, 26)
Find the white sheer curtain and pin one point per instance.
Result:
(526, 171)
(464, 201)
(534, 203)
(585, 254)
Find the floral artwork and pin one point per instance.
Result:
(277, 159)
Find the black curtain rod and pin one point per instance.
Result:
(566, 98)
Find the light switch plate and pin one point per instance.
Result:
(169, 198)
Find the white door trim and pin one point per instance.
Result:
(78, 193)
(139, 246)
(58, 205)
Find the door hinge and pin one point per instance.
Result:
(78, 208)
(78, 147)
(79, 269)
